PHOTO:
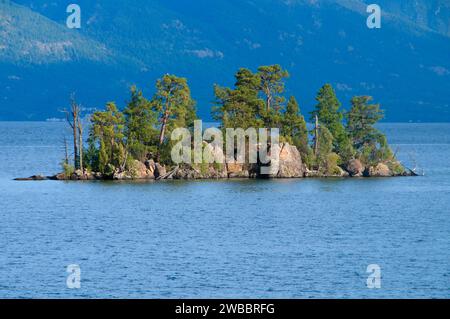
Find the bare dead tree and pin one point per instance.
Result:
(72, 117)
(316, 136)
(412, 158)
(80, 145)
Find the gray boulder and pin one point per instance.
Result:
(290, 162)
(139, 170)
(160, 170)
(355, 168)
(380, 170)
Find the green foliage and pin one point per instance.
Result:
(203, 167)
(29, 37)
(326, 161)
(271, 88)
(107, 131)
(309, 158)
(68, 169)
(218, 166)
(294, 128)
(330, 166)
(325, 148)
(329, 114)
(132, 167)
(241, 107)
(256, 101)
(117, 140)
(173, 104)
(175, 108)
(396, 167)
(370, 144)
(91, 156)
(140, 122)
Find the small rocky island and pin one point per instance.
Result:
(290, 166)
(137, 142)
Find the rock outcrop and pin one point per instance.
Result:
(290, 163)
(160, 171)
(32, 178)
(139, 170)
(235, 170)
(380, 170)
(355, 168)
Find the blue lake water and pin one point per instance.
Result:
(224, 239)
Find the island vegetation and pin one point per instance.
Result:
(134, 142)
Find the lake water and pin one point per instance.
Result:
(224, 239)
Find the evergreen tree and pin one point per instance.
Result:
(241, 107)
(325, 148)
(272, 88)
(107, 131)
(369, 142)
(330, 116)
(174, 106)
(141, 122)
(294, 128)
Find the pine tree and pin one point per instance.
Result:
(174, 106)
(369, 142)
(241, 107)
(325, 148)
(107, 131)
(141, 126)
(294, 128)
(272, 88)
(330, 116)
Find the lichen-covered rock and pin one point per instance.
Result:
(151, 166)
(241, 174)
(380, 170)
(32, 178)
(234, 168)
(312, 173)
(290, 162)
(139, 170)
(59, 177)
(397, 169)
(160, 170)
(218, 172)
(355, 168)
(211, 171)
(122, 176)
(341, 173)
(78, 175)
(98, 176)
(185, 172)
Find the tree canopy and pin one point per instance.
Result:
(142, 129)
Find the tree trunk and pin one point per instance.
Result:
(72, 117)
(163, 128)
(316, 137)
(112, 150)
(76, 162)
(80, 136)
(268, 100)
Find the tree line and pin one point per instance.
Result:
(142, 129)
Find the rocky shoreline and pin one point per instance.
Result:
(290, 166)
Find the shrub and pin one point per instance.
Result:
(68, 169)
